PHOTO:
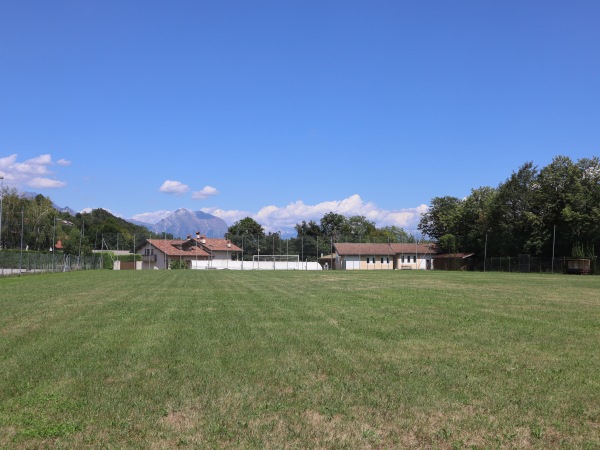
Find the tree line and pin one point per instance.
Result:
(538, 211)
(38, 225)
(312, 239)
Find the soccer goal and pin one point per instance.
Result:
(276, 262)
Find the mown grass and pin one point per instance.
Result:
(299, 360)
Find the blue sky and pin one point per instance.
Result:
(284, 110)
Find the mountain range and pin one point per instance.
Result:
(183, 222)
(180, 223)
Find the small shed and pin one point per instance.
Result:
(451, 261)
(578, 266)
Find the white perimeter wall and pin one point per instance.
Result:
(254, 265)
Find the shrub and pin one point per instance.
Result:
(175, 265)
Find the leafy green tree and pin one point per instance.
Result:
(442, 218)
(474, 220)
(310, 229)
(358, 227)
(392, 234)
(513, 214)
(334, 225)
(249, 235)
(247, 225)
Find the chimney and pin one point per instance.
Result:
(188, 237)
(228, 243)
(197, 235)
(203, 239)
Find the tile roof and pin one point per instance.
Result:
(363, 249)
(218, 245)
(171, 248)
(410, 248)
(383, 249)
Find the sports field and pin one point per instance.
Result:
(300, 360)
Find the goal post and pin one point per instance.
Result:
(276, 262)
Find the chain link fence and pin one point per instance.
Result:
(17, 263)
(523, 264)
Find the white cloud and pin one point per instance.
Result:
(205, 192)
(63, 162)
(174, 187)
(33, 172)
(152, 217)
(229, 216)
(284, 218)
(45, 183)
(275, 218)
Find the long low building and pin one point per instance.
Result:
(364, 256)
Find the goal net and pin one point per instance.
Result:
(276, 258)
(276, 262)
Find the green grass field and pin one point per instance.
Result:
(299, 360)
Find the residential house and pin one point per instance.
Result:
(198, 252)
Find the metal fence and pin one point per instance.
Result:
(524, 264)
(17, 263)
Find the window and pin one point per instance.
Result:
(382, 260)
(387, 259)
(402, 258)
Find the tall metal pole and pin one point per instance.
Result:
(22, 229)
(1, 199)
(553, 242)
(302, 247)
(54, 243)
(81, 238)
(485, 251)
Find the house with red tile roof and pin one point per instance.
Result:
(366, 256)
(198, 252)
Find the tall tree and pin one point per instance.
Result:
(359, 227)
(513, 214)
(247, 225)
(333, 225)
(474, 221)
(442, 218)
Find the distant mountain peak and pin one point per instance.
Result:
(183, 222)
